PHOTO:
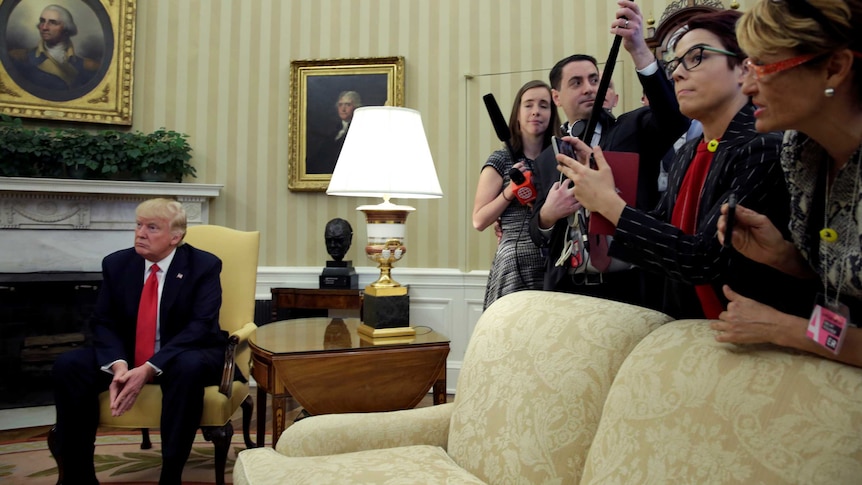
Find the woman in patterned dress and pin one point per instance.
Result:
(804, 74)
(518, 263)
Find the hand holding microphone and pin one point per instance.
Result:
(522, 186)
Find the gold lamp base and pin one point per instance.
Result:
(386, 305)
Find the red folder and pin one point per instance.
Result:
(624, 166)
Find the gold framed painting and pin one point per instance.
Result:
(68, 60)
(323, 95)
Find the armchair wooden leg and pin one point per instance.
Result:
(146, 444)
(52, 446)
(247, 409)
(220, 437)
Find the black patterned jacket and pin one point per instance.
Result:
(746, 163)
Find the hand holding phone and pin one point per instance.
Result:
(730, 219)
(563, 147)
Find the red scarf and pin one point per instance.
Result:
(685, 217)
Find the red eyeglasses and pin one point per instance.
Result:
(760, 70)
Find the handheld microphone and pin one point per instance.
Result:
(522, 182)
(522, 186)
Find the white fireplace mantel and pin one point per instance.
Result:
(69, 225)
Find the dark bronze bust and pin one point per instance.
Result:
(339, 236)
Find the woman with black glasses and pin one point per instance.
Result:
(809, 52)
(677, 238)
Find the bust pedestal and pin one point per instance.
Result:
(339, 275)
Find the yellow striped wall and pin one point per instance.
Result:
(219, 70)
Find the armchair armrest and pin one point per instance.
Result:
(331, 434)
(245, 331)
(226, 385)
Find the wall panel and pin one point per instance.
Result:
(219, 70)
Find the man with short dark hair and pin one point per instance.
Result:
(648, 131)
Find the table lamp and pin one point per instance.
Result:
(385, 155)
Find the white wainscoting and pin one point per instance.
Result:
(447, 300)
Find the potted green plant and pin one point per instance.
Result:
(163, 155)
(24, 152)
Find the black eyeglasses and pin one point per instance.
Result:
(803, 9)
(692, 58)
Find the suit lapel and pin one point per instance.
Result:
(134, 272)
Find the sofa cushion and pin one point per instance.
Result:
(414, 465)
(535, 376)
(686, 409)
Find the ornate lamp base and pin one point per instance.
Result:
(387, 309)
(386, 305)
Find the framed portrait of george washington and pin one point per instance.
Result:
(68, 60)
(323, 95)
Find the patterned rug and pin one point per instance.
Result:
(119, 460)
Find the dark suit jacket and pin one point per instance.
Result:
(326, 156)
(188, 312)
(647, 131)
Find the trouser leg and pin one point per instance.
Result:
(182, 406)
(77, 384)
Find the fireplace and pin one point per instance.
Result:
(41, 316)
(53, 236)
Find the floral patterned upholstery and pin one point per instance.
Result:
(686, 409)
(529, 398)
(406, 465)
(534, 380)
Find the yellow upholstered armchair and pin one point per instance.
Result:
(238, 251)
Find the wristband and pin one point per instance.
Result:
(505, 189)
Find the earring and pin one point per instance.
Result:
(829, 92)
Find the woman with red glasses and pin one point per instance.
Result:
(804, 75)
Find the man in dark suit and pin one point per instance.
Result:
(183, 353)
(647, 131)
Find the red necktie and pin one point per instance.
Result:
(145, 332)
(684, 216)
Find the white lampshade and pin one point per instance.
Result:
(385, 154)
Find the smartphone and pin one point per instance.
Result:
(563, 147)
(730, 220)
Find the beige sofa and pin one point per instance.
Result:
(559, 389)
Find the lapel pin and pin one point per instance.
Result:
(179, 276)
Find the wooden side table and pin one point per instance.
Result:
(314, 299)
(329, 368)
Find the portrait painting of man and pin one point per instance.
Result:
(324, 94)
(331, 102)
(56, 51)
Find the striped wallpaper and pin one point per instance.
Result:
(219, 70)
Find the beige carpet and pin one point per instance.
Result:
(119, 460)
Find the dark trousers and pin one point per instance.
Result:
(78, 381)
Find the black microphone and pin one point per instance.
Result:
(522, 182)
(499, 122)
